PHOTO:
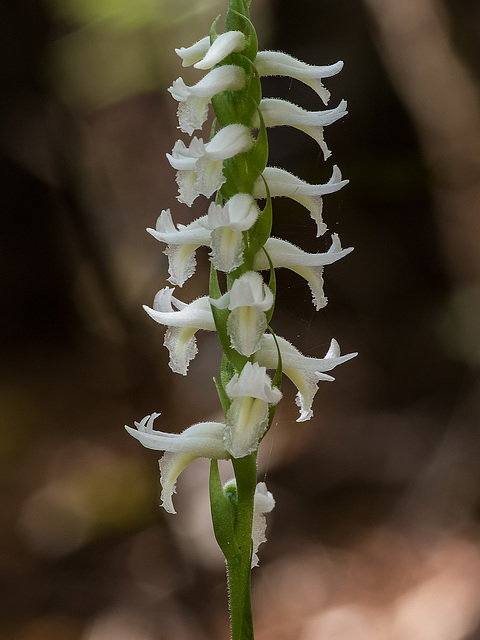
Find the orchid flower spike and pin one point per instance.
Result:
(182, 324)
(201, 440)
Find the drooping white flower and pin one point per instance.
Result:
(201, 440)
(276, 63)
(222, 46)
(182, 242)
(248, 300)
(200, 165)
(194, 53)
(182, 325)
(283, 183)
(308, 265)
(263, 502)
(193, 108)
(227, 224)
(303, 371)
(247, 417)
(277, 113)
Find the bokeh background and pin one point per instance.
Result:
(376, 530)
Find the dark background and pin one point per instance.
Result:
(375, 533)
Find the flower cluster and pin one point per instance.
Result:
(236, 228)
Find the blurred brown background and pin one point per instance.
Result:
(375, 534)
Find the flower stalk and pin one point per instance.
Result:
(232, 167)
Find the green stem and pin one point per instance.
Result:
(239, 563)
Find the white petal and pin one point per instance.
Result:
(275, 63)
(194, 53)
(245, 328)
(278, 113)
(304, 372)
(247, 420)
(193, 108)
(253, 381)
(263, 503)
(239, 213)
(197, 314)
(283, 183)
(227, 249)
(204, 439)
(228, 142)
(171, 466)
(247, 290)
(224, 45)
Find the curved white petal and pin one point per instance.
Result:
(197, 314)
(303, 371)
(277, 113)
(194, 53)
(276, 63)
(204, 439)
(224, 45)
(283, 183)
(228, 142)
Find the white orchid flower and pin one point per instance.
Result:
(201, 440)
(308, 265)
(227, 224)
(248, 300)
(182, 241)
(263, 502)
(275, 63)
(304, 372)
(200, 165)
(222, 46)
(193, 108)
(278, 113)
(247, 417)
(283, 183)
(182, 325)
(194, 53)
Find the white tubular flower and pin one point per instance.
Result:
(248, 300)
(304, 372)
(247, 418)
(182, 242)
(227, 224)
(275, 63)
(202, 440)
(278, 113)
(194, 53)
(224, 45)
(193, 108)
(182, 325)
(263, 502)
(308, 265)
(283, 183)
(200, 166)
